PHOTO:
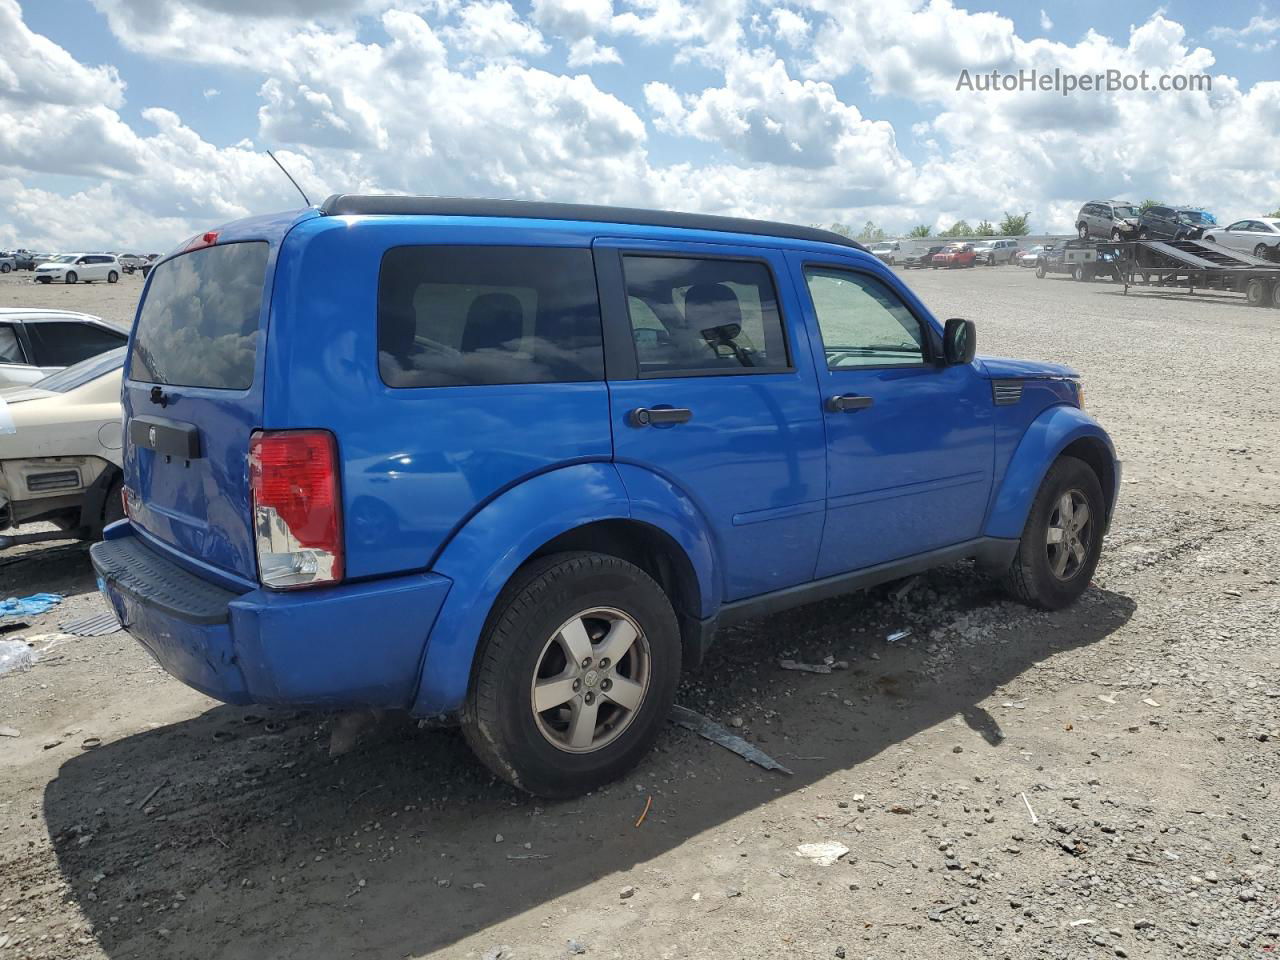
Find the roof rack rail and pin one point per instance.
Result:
(346, 204)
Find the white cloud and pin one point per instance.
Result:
(493, 30)
(211, 92)
(1259, 34)
(35, 70)
(791, 28)
(1046, 23)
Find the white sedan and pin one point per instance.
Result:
(1259, 236)
(60, 451)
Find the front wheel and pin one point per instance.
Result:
(1082, 231)
(1116, 236)
(576, 673)
(1079, 273)
(70, 277)
(5, 268)
(1040, 270)
(1260, 251)
(112, 277)
(1062, 539)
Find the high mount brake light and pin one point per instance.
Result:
(297, 517)
(202, 240)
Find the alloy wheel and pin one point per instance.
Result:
(1070, 535)
(591, 679)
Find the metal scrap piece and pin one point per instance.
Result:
(717, 734)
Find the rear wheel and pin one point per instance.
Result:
(70, 277)
(1260, 251)
(1062, 539)
(5, 268)
(112, 277)
(1040, 270)
(1079, 272)
(1082, 231)
(1143, 235)
(1116, 236)
(576, 673)
(1258, 293)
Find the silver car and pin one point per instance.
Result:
(1107, 220)
(995, 252)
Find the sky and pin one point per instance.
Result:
(132, 124)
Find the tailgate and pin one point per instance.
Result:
(193, 395)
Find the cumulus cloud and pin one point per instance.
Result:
(1046, 23)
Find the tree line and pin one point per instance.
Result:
(1013, 225)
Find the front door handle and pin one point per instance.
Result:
(651, 416)
(849, 403)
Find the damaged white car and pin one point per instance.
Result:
(60, 455)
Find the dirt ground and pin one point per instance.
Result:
(1097, 782)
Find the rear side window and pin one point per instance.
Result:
(199, 322)
(453, 316)
(62, 343)
(691, 316)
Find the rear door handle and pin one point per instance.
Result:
(650, 416)
(849, 403)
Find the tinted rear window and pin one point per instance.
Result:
(199, 322)
(451, 316)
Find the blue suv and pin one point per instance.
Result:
(514, 463)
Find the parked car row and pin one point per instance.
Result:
(49, 267)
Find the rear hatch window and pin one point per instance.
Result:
(199, 323)
(192, 402)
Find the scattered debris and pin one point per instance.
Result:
(88, 743)
(1034, 818)
(10, 732)
(1150, 703)
(645, 812)
(1107, 699)
(15, 656)
(936, 915)
(50, 744)
(897, 635)
(151, 796)
(828, 665)
(498, 953)
(900, 592)
(626, 893)
(900, 808)
(823, 854)
(30, 606)
(576, 949)
(717, 734)
(98, 625)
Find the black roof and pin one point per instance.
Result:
(354, 204)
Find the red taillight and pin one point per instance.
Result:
(297, 517)
(202, 240)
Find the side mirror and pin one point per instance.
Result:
(959, 342)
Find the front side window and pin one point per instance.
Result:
(863, 323)
(457, 316)
(62, 343)
(693, 315)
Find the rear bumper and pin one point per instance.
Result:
(350, 646)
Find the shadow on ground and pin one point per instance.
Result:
(233, 834)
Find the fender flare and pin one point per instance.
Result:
(1042, 443)
(483, 555)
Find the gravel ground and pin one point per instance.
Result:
(1096, 782)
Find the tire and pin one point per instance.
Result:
(1260, 251)
(1275, 295)
(1040, 271)
(113, 277)
(70, 277)
(1257, 293)
(1082, 231)
(1143, 235)
(44, 280)
(524, 640)
(1116, 236)
(1032, 576)
(5, 268)
(1078, 273)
